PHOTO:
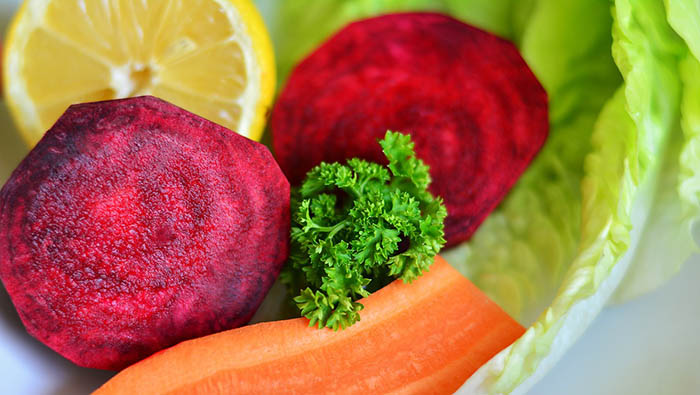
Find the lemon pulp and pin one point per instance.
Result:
(211, 57)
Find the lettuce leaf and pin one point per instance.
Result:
(631, 150)
(667, 240)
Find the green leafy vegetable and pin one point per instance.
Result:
(357, 227)
(621, 199)
(674, 190)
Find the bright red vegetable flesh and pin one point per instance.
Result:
(134, 225)
(476, 112)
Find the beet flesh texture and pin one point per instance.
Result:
(134, 225)
(474, 109)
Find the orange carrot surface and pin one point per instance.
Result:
(425, 337)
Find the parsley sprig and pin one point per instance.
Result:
(356, 228)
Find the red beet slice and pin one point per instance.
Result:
(134, 225)
(476, 112)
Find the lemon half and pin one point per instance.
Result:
(211, 57)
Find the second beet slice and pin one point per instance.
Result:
(475, 110)
(134, 225)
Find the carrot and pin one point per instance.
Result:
(424, 337)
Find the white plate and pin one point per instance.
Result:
(648, 346)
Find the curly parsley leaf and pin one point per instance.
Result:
(356, 228)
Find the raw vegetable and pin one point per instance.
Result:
(544, 255)
(475, 110)
(667, 239)
(356, 227)
(134, 225)
(413, 338)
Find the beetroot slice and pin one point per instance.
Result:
(476, 112)
(134, 225)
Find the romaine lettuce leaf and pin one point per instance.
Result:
(667, 240)
(630, 146)
(684, 17)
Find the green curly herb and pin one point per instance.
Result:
(356, 228)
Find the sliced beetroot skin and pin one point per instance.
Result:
(476, 112)
(134, 225)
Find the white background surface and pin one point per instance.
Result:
(648, 346)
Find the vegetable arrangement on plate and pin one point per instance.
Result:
(547, 168)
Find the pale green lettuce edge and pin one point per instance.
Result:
(630, 146)
(684, 17)
(689, 187)
(668, 235)
(667, 239)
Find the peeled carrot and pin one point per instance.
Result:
(424, 337)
